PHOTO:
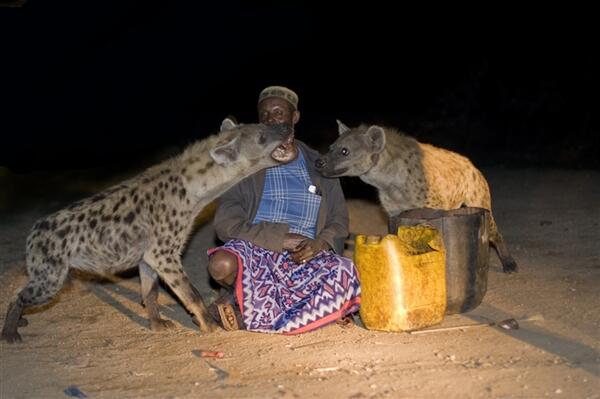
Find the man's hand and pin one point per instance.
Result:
(308, 249)
(292, 240)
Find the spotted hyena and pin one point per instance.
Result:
(409, 175)
(145, 222)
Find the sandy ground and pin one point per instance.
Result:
(96, 337)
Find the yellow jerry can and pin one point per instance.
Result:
(402, 278)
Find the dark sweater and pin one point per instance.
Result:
(238, 206)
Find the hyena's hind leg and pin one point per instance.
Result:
(508, 263)
(149, 288)
(47, 280)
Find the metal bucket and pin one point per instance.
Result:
(465, 232)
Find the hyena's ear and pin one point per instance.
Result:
(228, 124)
(226, 153)
(375, 139)
(341, 127)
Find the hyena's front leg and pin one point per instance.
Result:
(170, 270)
(149, 288)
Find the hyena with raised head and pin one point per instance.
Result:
(145, 222)
(409, 175)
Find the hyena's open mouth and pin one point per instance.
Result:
(286, 151)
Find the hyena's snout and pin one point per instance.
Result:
(320, 163)
(329, 169)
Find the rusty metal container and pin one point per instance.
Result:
(465, 232)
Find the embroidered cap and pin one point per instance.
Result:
(281, 92)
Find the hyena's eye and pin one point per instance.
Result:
(344, 151)
(262, 139)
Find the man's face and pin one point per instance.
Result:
(277, 111)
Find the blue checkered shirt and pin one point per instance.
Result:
(286, 198)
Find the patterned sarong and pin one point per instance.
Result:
(277, 295)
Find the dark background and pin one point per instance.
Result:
(93, 84)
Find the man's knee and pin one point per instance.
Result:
(222, 264)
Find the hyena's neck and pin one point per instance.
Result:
(378, 176)
(389, 191)
(396, 175)
(206, 180)
(399, 164)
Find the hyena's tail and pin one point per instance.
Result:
(508, 263)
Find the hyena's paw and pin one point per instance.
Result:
(161, 325)
(22, 322)
(208, 326)
(10, 337)
(510, 267)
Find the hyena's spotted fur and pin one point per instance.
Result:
(409, 175)
(144, 222)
